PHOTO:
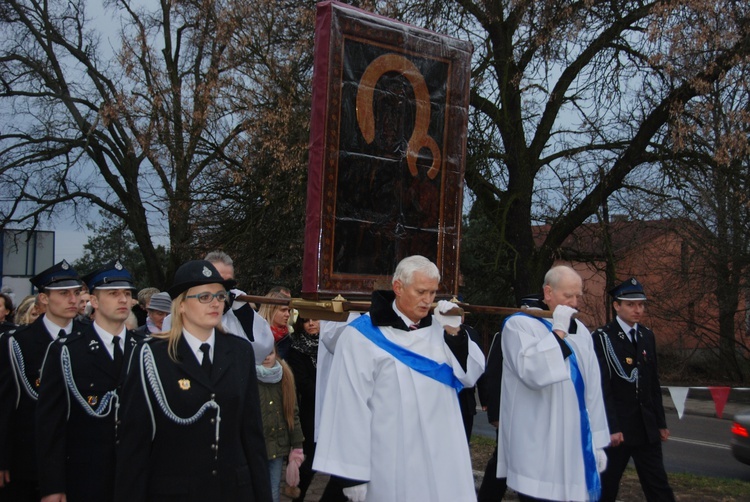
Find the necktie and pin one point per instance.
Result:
(633, 338)
(117, 353)
(62, 334)
(413, 326)
(206, 364)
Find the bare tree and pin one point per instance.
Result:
(710, 184)
(568, 100)
(262, 203)
(138, 130)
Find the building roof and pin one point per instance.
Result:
(587, 241)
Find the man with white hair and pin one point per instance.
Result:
(553, 427)
(391, 425)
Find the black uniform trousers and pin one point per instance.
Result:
(649, 463)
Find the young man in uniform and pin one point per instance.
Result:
(78, 398)
(21, 356)
(632, 396)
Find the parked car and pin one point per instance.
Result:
(741, 436)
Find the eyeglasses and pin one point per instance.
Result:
(209, 297)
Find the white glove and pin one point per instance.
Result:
(443, 306)
(356, 493)
(601, 460)
(561, 318)
(235, 304)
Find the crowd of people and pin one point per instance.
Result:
(190, 394)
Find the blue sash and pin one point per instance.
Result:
(421, 364)
(593, 482)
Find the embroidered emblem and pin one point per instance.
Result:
(184, 383)
(206, 272)
(118, 265)
(629, 360)
(37, 382)
(92, 400)
(93, 345)
(621, 335)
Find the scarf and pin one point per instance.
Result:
(306, 344)
(269, 375)
(279, 332)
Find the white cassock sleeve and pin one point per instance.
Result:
(344, 440)
(474, 364)
(533, 356)
(330, 331)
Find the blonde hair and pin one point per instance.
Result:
(175, 330)
(288, 393)
(23, 312)
(267, 311)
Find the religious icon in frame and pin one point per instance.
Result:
(387, 151)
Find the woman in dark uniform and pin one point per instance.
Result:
(191, 424)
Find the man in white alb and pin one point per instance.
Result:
(553, 426)
(390, 424)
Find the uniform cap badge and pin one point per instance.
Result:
(206, 272)
(184, 383)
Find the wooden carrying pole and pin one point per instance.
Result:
(338, 309)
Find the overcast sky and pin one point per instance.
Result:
(69, 245)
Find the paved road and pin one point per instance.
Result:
(699, 445)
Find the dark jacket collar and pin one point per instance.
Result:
(382, 313)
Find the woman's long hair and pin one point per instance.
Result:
(175, 330)
(288, 393)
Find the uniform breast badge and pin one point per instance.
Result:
(37, 382)
(184, 383)
(629, 360)
(92, 400)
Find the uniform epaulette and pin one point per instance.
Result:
(71, 338)
(19, 330)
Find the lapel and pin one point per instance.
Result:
(43, 336)
(98, 355)
(189, 363)
(222, 357)
(621, 341)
